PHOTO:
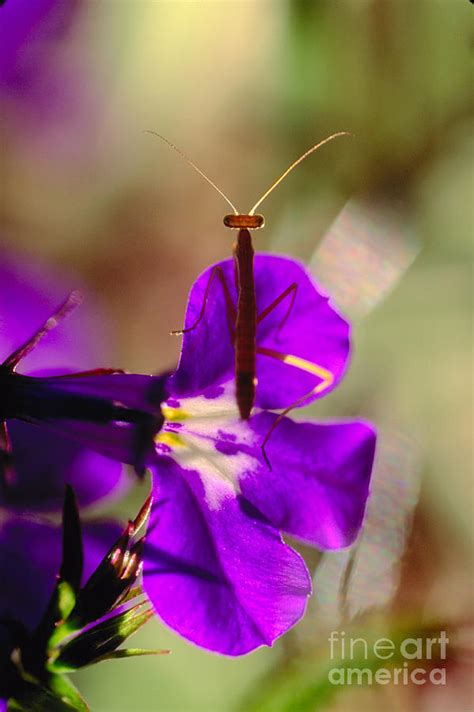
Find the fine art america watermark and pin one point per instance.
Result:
(356, 660)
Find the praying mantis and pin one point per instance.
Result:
(243, 317)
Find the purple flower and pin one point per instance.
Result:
(311, 339)
(83, 622)
(30, 555)
(43, 459)
(29, 292)
(29, 29)
(44, 454)
(76, 427)
(216, 567)
(114, 414)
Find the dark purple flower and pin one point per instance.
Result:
(29, 30)
(70, 428)
(30, 546)
(29, 292)
(216, 567)
(51, 419)
(114, 414)
(43, 459)
(30, 555)
(90, 611)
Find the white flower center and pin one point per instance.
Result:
(206, 435)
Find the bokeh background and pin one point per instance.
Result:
(244, 88)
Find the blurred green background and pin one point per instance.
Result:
(244, 88)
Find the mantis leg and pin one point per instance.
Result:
(327, 379)
(292, 289)
(230, 307)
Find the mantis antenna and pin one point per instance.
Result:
(294, 164)
(193, 165)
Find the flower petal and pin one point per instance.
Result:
(30, 556)
(28, 30)
(30, 292)
(118, 441)
(313, 331)
(207, 353)
(44, 462)
(219, 575)
(319, 482)
(128, 389)
(116, 415)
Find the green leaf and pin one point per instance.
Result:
(129, 653)
(106, 584)
(100, 640)
(66, 599)
(66, 691)
(116, 574)
(73, 555)
(134, 592)
(36, 698)
(63, 598)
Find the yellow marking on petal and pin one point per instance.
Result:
(170, 439)
(174, 414)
